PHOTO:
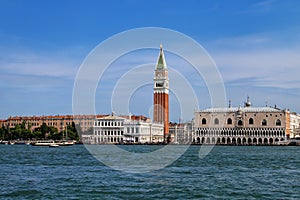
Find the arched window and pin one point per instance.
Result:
(203, 121)
(278, 122)
(216, 121)
(251, 121)
(264, 122)
(229, 121)
(240, 123)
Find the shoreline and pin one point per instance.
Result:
(284, 143)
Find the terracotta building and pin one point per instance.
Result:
(58, 121)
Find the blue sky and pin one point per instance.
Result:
(255, 44)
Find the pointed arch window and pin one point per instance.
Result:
(278, 122)
(264, 122)
(240, 123)
(216, 121)
(229, 121)
(251, 121)
(203, 121)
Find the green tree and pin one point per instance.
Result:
(2, 133)
(25, 131)
(26, 134)
(44, 129)
(7, 135)
(57, 136)
(53, 133)
(16, 132)
(71, 132)
(37, 134)
(23, 125)
(20, 131)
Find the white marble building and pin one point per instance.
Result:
(241, 125)
(108, 130)
(143, 132)
(181, 133)
(294, 125)
(115, 129)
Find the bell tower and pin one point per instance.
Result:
(161, 93)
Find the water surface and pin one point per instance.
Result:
(242, 172)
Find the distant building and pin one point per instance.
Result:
(294, 125)
(143, 132)
(241, 125)
(181, 133)
(3, 123)
(125, 129)
(84, 122)
(107, 130)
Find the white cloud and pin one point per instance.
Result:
(38, 67)
(263, 4)
(258, 7)
(263, 58)
(26, 62)
(273, 67)
(243, 41)
(263, 65)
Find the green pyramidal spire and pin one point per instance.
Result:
(161, 63)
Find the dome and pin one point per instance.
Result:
(248, 102)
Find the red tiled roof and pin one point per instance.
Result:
(67, 117)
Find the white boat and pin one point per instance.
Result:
(65, 143)
(43, 143)
(283, 142)
(52, 142)
(3, 142)
(53, 145)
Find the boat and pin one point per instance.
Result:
(52, 142)
(3, 142)
(53, 145)
(65, 143)
(19, 142)
(283, 143)
(42, 143)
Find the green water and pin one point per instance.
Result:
(227, 172)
